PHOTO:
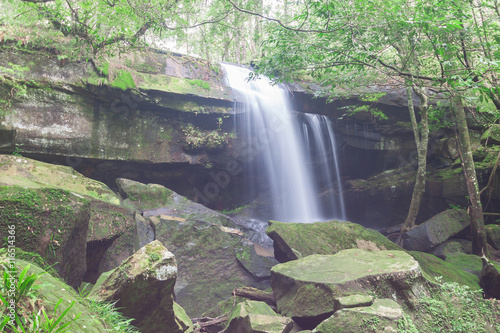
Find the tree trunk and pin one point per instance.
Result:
(479, 242)
(421, 141)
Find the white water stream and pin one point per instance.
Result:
(299, 160)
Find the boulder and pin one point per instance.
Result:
(313, 288)
(144, 231)
(205, 244)
(29, 173)
(122, 247)
(51, 222)
(436, 230)
(144, 196)
(493, 235)
(107, 223)
(257, 265)
(435, 269)
(143, 286)
(452, 246)
(297, 240)
(381, 316)
(468, 262)
(257, 317)
(108, 219)
(206, 257)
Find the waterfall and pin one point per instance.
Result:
(298, 156)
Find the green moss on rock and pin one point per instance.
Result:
(433, 268)
(253, 316)
(123, 81)
(382, 316)
(468, 262)
(145, 196)
(29, 173)
(50, 222)
(296, 240)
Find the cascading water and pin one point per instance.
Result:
(297, 165)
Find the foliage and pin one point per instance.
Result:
(23, 288)
(32, 315)
(12, 85)
(452, 308)
(22, 293)
(108, 312)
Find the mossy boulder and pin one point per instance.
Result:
(257, 265)
(436, 269)
(381, 316)
(297, 240)
(257, 317)
(493, 235)
(116, 253)
(144, 196)
(469, 263)
(311, 289)
(204, 242)
(108, 221)
(436, 230)
(143, 286)
(51, 222)
(452, 246)
(205, 253)
(29, 173)
(49, 290)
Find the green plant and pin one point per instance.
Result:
(21, 288)
(452, 308)
(108, 312)
(154, 257)
(54, 324)
(455, 206)
(17, 151)
(52, 247)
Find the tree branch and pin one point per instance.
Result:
(246, 11)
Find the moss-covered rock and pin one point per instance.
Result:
(108, 221)
(381, 316)
(29, 173)
(51, 222)
(257, 317)
(468, 262)
(144, 196)
(116, 109)
(452, 246)
(257, 265)
(204, 242)
(433, 268)
(205, 252)
(436, 230)
(493, 235)
(309, 289)
(224, 307)
(297, 240)
(143, 286)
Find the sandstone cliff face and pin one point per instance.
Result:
(135, 108)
